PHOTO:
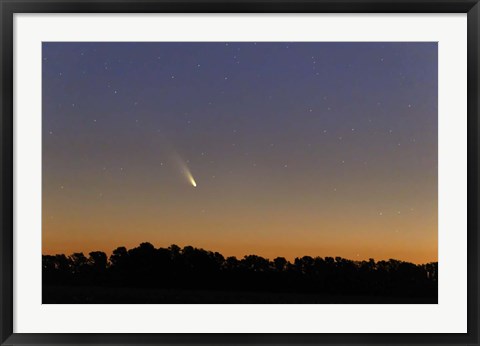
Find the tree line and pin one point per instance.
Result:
(198, 269)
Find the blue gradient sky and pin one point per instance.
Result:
(322, 149)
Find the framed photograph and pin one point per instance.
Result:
(239, 173)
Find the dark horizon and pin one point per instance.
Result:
(182, 246)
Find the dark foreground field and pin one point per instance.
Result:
(128, 295)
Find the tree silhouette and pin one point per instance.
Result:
(191, 268)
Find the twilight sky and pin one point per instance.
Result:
(321, 149)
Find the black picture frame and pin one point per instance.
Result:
(9, 7)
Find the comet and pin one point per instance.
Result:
(191, 180)
(186, 171)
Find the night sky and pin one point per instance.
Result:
(320, 149)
